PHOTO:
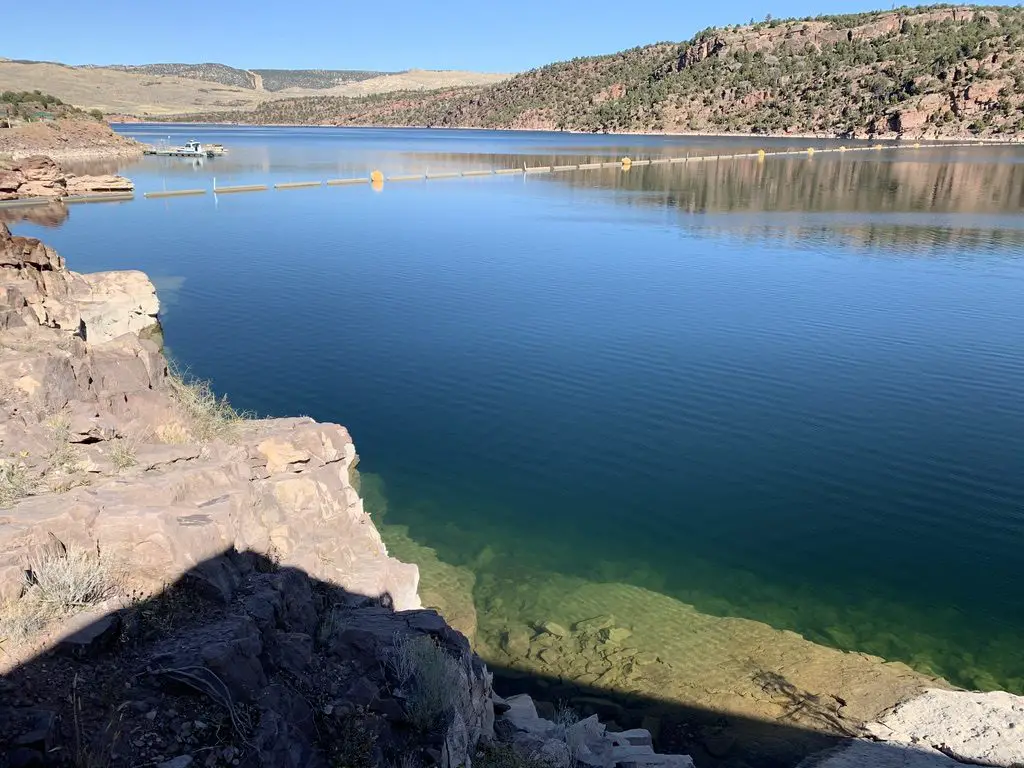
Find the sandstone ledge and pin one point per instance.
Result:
(38, 176)
(71, 355)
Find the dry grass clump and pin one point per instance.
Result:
(22, 619)
(122, 453)
(62, 455)
(70, 577)
(208, 416)
(61, 580)
(9, 394)
(432, 681)
(16, 482)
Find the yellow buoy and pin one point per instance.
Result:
(626, 162)
(376, 177)
(760, 155)
(878, 146)
(917, 145)
(810, 151)
(842, 149)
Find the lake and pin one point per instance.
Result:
(787, 391)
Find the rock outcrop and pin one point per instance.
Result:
(72, 356)
(939, 729)
(246, 662)
(40, 176)
(585, 743)
(67, 139)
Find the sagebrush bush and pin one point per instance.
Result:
(15, 482)
(432, 682)
(70, 577)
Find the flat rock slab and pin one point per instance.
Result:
(91, 634)
(973, 728)
(867, 754)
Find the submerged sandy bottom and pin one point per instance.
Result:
(637, 656)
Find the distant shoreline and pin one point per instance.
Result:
(1016, 140)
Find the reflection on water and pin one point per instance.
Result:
(786, 392)
(48, 215)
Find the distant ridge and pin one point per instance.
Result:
(156, 90)
(935, 71)
(273, 79)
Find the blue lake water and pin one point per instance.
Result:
(788, 391)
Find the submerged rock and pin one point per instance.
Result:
(556, 630)
(594, 624)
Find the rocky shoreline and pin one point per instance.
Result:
(38, 176)
(181, 585)
(67, 140)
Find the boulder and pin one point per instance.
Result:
(587, 743)
(115, 303)
(222, 658)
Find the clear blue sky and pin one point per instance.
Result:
(374, 34)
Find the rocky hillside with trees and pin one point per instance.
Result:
(27, 106)
(36, 123)
(920, 72)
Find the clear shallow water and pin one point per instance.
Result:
(789, 392)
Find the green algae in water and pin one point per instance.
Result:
(513, 566)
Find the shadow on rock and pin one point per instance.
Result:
(243, 662)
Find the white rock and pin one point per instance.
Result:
(637, 737)
(115, 303)
(867, 754)
(979, 728)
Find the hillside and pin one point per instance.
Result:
(156, 90)
(282, 79)
(33, 122)
(931, 71)
(255, 79)
(209, 72)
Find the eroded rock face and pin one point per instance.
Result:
(71, 356)
(39, 291)
(39, 176)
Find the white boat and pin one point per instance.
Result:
(192, 148)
